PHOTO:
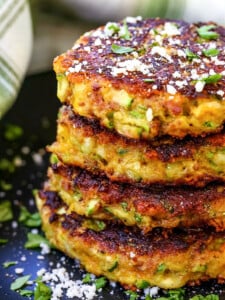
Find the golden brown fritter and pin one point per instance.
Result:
(98, 198)
(84, 143)
(147, 78)
(168, 259)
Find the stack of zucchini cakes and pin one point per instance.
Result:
(135, 186)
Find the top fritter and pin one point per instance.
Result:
(148, 78)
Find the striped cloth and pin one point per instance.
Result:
(15, 49)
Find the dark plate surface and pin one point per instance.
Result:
(36, 111)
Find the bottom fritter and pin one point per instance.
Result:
(166, 258)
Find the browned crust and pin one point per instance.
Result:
(116, 236)
(162, 70)
(170, 207)
(165, 149)
(191, 255)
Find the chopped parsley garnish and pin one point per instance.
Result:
(19, 282)
(3, 241)
(207, 297)
(121, 49)
(28, 219)
(42, 291)
(124, 32)
(212, 78)
(114, 27)
(122, 151)
(100, 224)
(113, 267)
(5, 186)
(174, 295)
(138, 217)
(211, 52)
(161, 268)
(100, 282)
(93, 204)
(7, 165)
(35, 240)
(137, 114)
(149, 80)
(26, 293)
(209, 124)
(206, 33)
(190, 55)
(143, 284)
(87, 278)
(54, 159)
(13, 132)
(133, 295)
(9, 264)
(124, 205)
(6, 213)
(60, 75)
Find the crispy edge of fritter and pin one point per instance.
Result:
(162, 155)
(99, 198)
(135, 84)
(168, 259)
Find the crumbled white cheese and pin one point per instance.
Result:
(161, 51)
(180, 83)
(14, 224)
(220, 93)
(25, 150)
(60, 282)
(171, 89)
(194, 74)
(133, 19)
(181, 53)
(130, 65)
(23, 258)
(217, 62)
(132, 254)
(40, 257)
(212, 72)
(87, 49)
(109, 28)
(19, 270)
(149, 114)
(199, 86)
(18, 162)
(45, 249)
(170, 29)
(37, 158)
(151, 291)
(98, 42)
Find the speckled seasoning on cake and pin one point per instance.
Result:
(147, 78)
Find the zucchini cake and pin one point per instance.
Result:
(168, 259)
(192, 161)
(147, 78)
(100, 199)
(135, 186)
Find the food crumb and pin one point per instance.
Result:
(19, 270)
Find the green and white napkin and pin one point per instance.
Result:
(15, 49)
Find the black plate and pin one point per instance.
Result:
(36, 111)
